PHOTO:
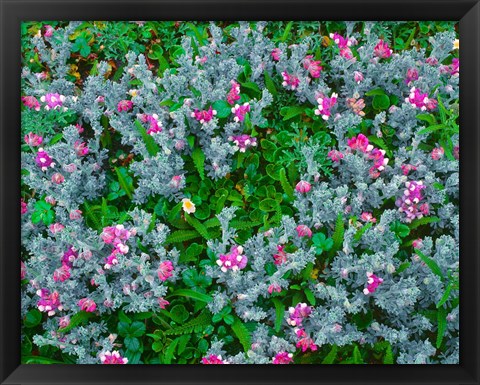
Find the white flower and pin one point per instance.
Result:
(188, 206)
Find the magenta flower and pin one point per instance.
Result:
(235, 260)
(243, 142)
(56, 228)
(112, 259)
(290, 81)
(417, 243)
(419, 100)
(75, 214)
(117, 235)
(281, 256)
(112, 358)
(234, 93)
(176, 181)
(303, 187)
(54, 101)
(407, 168)
(154, 123)
(69, 256)
(298, 313)
(341, 41)
(163, 303)
(79, 128)
(432, 60)
(335, 155)
(61, 274)
(325, 104)
(410, 199)
(276, 54)
(283, 358)
(305, 342)
(240, 112)
(33, 139)
(43, 160)
(312, 66)
(165, 270)
(358, 76)
(274, 287)
(455, 67)
(31, 102)
(382, 50)
(373, 282)
(437, 153)
(304, 231)
(49, 303)
(58, 178)
(360, 143)
(378, 156)
(412, 74)
(23, 270)
(204, 116)
(23, 206)
(124, 105)
(213, 359)
(63, 322)
(368, 217)
(48, 30)
(456, 152)
(88, 305)
(80, 148)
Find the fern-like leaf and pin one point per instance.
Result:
(287, 187)
(200, 322)
(197, 225)
(181, 236)
(242, 334)
(199, 161)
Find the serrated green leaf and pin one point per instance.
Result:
(197, 225)
(242, 334)
(198, 158)
(388, 358)
(181, 236)
(287, 187)
(202, 321)
(170, 351)
(331, 356)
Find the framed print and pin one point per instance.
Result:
(243, 192)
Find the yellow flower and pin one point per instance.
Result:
(188, 206)
(456, 44)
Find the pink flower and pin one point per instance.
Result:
(80, 148)
(346, 53)
(303, 187)
(290, 81)
(213, 359)
(360, 143)
(43, 160)
(437, 153)
(243, 142)
(312, 66)
(31, 102)
(276, 54)
(305, 342)
(378, 156)
(382, 50)
(419, 100)
(48, 30)
(408, 203)
(176, 181)
(112, 259)
(117, 235)
(112, 358)
(357, 105)
(75, 214)
(335, 155)
(124, 105)
(298, 313)
(234, 93)
(417, 243)
(58, 178)
(373, 283)
(79, 128)
(235, 260)
(61, 274)
(165, 270)
(48, 303)
(200, 60)
(33, 139)
(63, 322)
(70, 167)
(69, 256)
(456, 152)
(455, 67)
(204, 116)
(56, 228)
(274, 287)
(23, 206)
(162, 303)
(368, 217)
(281, 256)
(406, 168)
(155, 125)
(412, 74)
(240, 112)
(358, 76)
(283, 358)
(341, 41)
(87, 305)
(304, 231)
(23, 270)
(432, 61)
(54, 101)
(325, 104)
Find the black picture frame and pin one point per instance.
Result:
(467, 12)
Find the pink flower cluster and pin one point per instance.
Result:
(165, 270)
(235, 260)
(31, 102)
(154, 124)
(407, 168)
(243, 142)
(213, 359)
(234, 93)
(325, 104)
(282, 358)
(356, 105)
(48, 302)
(361, 143)
(116, 235)
(240, 111)
(204, 116)
(43, 160)
(53, 101)
(276, 54)
(80, 148)
(304, 231)
(452, 69)
(290, 81)
(373, 282)
(124, 105)
(335, 155)
(303, 187)
(281, 256)
(409, 202)
(344, 44)
(62, 273)
(382, 50)
(312, 66)
(23, 206)
(113, 358)
(298, 313)
(87, 304)
(412, 74)
(274, 287)
(69, 257)
(419, 100)
(305, 342)
(33, 139)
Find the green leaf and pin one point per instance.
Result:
(198, 323)
(33, 318)
(423, 221)
(269, 83)
(310, 297)
(388, 358)
(136, 329)
(197, 225)
(56, 138)
(181, 236)
(251, 89)
(357, 357)
(132, 343)
(40, 360)
(150, 144)
(287, 187)
(198, 158)
(126, 185)
(400, 229)
(381, 102)
(77, 319)
(430, 263)
(287, 31)
(429, 118)
(179, 314)
(242, 334)
(279, 313)
(445, 296)
(375, 92)
(442, 325)
(291, 112)
(223, 108)
(433, 128)
(170, 351)
(268, 205)
(338, 234)
(331, 356)
(192, 294)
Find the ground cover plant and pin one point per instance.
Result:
(240, 192)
